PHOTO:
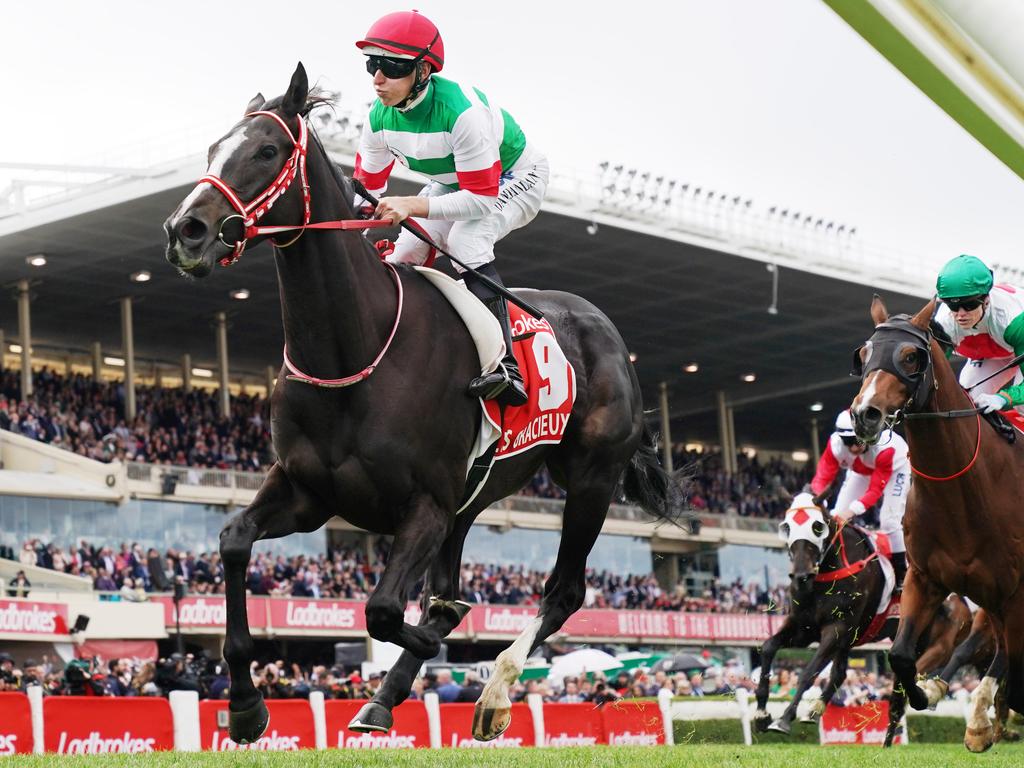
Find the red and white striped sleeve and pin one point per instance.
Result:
(373, 161)
(879, 478)
(828, 468)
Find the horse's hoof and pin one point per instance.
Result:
(454, 610)
(935, 689)
(1009, 735)
(918, 698)
(761, 723)
(780, 726)
(372, 718)
(247, 726)
(979, 739)
(814, 713)
(811, 718)
(490, 722)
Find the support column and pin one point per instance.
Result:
(97, 361)
(3, 350)
(815, 444)
(158, 376)
(666, 429)
(186, 373)
(222, 362)
(723, 431)
(25, 331)
(730, 423)
(128, 350)
(67, 366)
(271, 380)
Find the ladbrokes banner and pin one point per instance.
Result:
(15, 724)
(410, 730)
(865, 724)
(573, 725)
(87, 725)
(633, 723)
(211, 612)
(28, 617)
(457, 728)
(291, 727)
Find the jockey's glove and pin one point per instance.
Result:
(990, 403)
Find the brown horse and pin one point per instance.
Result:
(964, 526)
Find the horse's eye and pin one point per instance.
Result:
(818, 528)
(267, 152)
(912, 358)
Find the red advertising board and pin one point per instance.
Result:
(457, 728)
(409, 731)
(28, 617)
(15, 724)
(210, 612)
(291, 727)
(865, 724)
(87, 725)
(573, 725)
(633, 723)
(323, 615)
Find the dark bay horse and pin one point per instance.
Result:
(964, 524)
(389, 453)
(836, 586)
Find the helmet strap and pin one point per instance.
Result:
(417, 88)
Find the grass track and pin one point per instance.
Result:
(695, 755)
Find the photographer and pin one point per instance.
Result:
(175, 674)
(79, 679)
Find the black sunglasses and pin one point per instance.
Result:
(849, 440)
(392, 69)
(968, 304)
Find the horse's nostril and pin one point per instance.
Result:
(871, 415)
(190, 230)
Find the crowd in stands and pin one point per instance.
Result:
(82, 415)
(349, 574)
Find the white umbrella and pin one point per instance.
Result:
(578, 662)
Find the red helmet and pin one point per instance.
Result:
(407, 35)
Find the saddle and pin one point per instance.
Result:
(1006, 424)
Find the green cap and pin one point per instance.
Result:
(964, 276)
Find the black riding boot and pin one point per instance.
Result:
(899, 564)
(504, 384)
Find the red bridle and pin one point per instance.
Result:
(250, 213)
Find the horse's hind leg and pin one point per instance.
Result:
(780, 639)
(279, 509)
(585, 508)
(439, 616)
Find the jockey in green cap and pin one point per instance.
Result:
(986, 325)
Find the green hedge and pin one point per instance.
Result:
(924, 729)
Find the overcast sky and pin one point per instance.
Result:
(779, 101)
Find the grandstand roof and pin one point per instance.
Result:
(675, 300)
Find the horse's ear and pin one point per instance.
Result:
(878, 311)
(924, 318)
(295, 99)
(255, 105)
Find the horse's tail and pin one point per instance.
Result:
(659, 493)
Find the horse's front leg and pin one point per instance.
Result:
(420, 535)
(442, 613)
(833, 636)
(922, 598)
(780, 639)
(835, 679)
(280, 508)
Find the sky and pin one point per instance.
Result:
(778, 101)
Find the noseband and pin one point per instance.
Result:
(884, 349)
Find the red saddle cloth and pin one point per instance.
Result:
(1015, 418)
(550, 384)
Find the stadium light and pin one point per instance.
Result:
(800, 456)
(15, 349)
(36, 260)
(142, 276)
(818, 406)
(241, 294)
(117, 361)
(691, 367)
(749, 377)
(202, 373)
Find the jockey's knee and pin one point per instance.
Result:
(471, 243)
(409, 250)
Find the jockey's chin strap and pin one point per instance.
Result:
(848, 569)
(250, 213)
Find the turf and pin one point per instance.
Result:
(692, 754)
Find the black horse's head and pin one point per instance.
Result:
(249, 159)
(805, 530)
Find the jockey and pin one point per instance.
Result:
(879, 471)
(986, 325)
(485, 179)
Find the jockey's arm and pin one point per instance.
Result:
(373, 162)
(828, 468)
(477, 168)
(1014, 335)
(879, 479)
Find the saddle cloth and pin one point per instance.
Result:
(888, 604)
(548, 376)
